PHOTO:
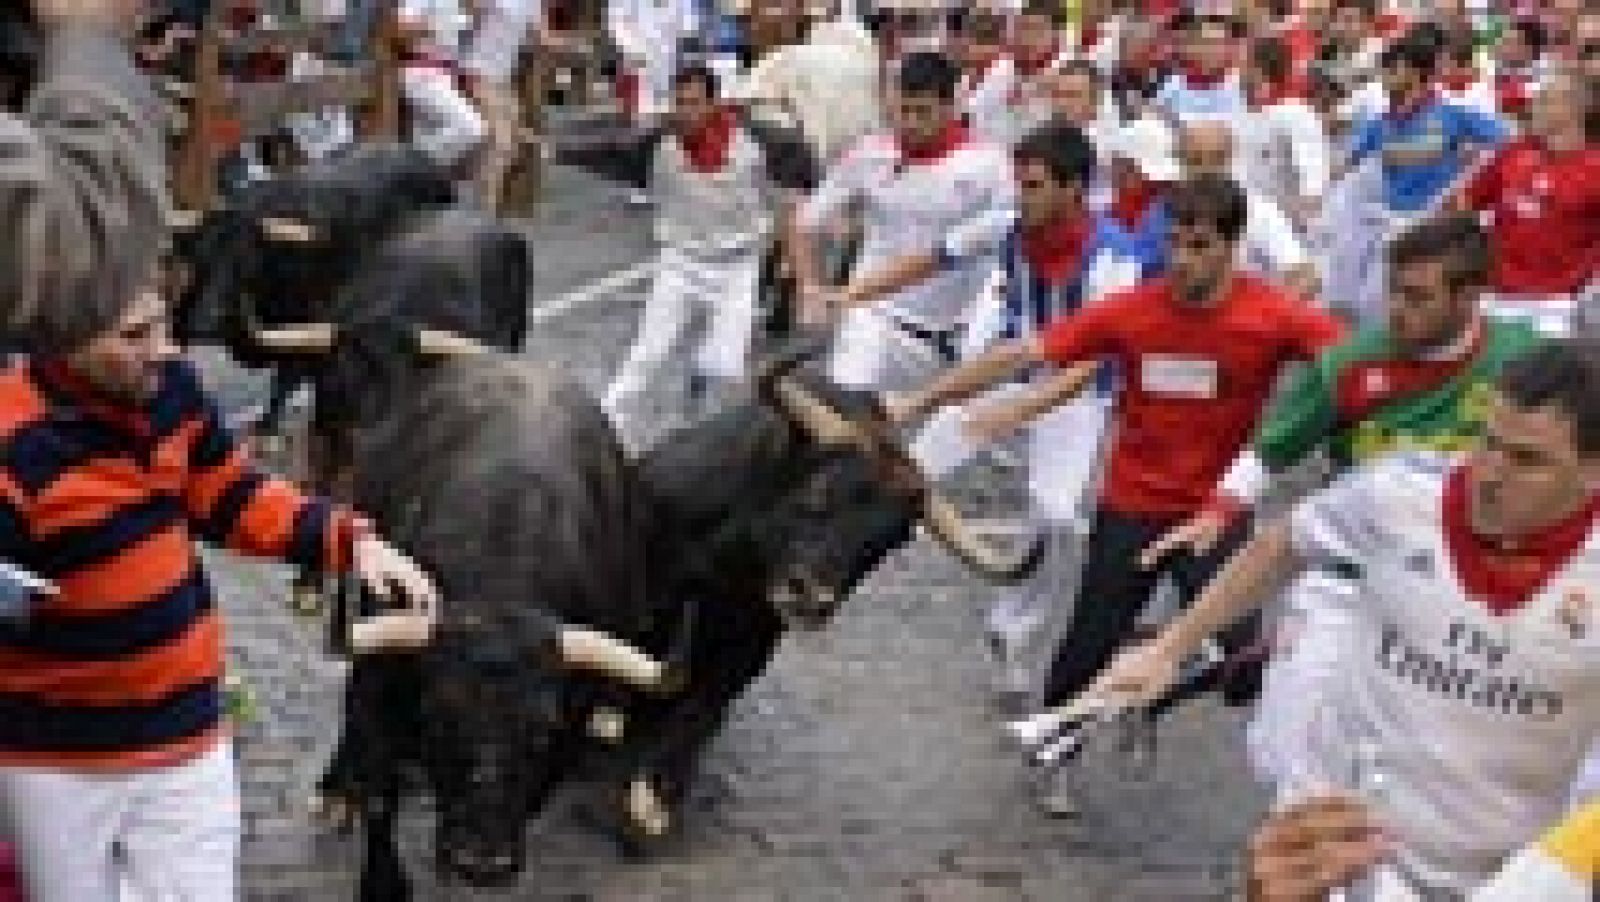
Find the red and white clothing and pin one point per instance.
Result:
(1544, 211)
(1182, 366)
(1474, 685)
(446, 124)
(647, 33)
(910, 199)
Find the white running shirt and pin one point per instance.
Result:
(1477, 722)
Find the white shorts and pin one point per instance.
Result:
(497, 43)
(168, 834)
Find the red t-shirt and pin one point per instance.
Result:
(1195, 383)
(1546, 209)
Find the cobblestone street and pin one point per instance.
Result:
(868, 764)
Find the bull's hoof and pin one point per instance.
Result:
(332, 812)
(635, 815)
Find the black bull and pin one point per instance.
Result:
(508, 484)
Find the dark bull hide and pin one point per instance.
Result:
(241, 276)
(506, 482)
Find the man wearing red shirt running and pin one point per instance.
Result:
(1199, 352)
(1543, 193)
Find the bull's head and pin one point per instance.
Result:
(503, 710)
(869, 495)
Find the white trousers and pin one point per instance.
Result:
(694, 300)
(168, 834)
(445, 123)
(872, 353)
(1063, 454)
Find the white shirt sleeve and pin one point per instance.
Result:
(981, 235)
(1342, 524)
(623, 26)
(1308, 149)
(1109, 272)
(1271, 243)
(842, 184)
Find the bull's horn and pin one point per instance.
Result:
(390, 632)
(310, 338)
(587, 649)
(951, 528)
(181, 220)
(824, 424)
(289, 231)
(439, 343)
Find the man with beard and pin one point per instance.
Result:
(1467, 694)
(115, 764)
(1199, 352)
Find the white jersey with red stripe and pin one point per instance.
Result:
(1462, 727)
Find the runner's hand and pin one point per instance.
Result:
(989, 424)
(1305, 851)
(384, 568)
(817, 305)
(1197, 535)
(1137, 675)
(900, 408)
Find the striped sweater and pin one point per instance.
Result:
(121, 669)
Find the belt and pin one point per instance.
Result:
(943, 342)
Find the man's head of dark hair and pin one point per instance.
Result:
(1046, 9)
(926, 73)
(1190, 22)
(1270, 56)
(1210, 201)
(1459, 241)
(1418, 54)
(985, 28)
(1533, 32)
(1063, 150)
(696, 73)
(1564, 374)
(1462, 49)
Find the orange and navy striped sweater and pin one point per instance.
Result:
(122, 668)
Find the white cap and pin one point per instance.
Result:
(1149, 144)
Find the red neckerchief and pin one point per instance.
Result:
(1262, 96)
(1458, 81)
(954, 136)
(1029, 65)
(1197, 78)
(1505, 580)
(706, 145)
(1389, 25)
(1512, 91)
(1129, 207)
(1405, 109)
(58, 377)
(977, 71)
(1055, 250)
(1369, 386)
